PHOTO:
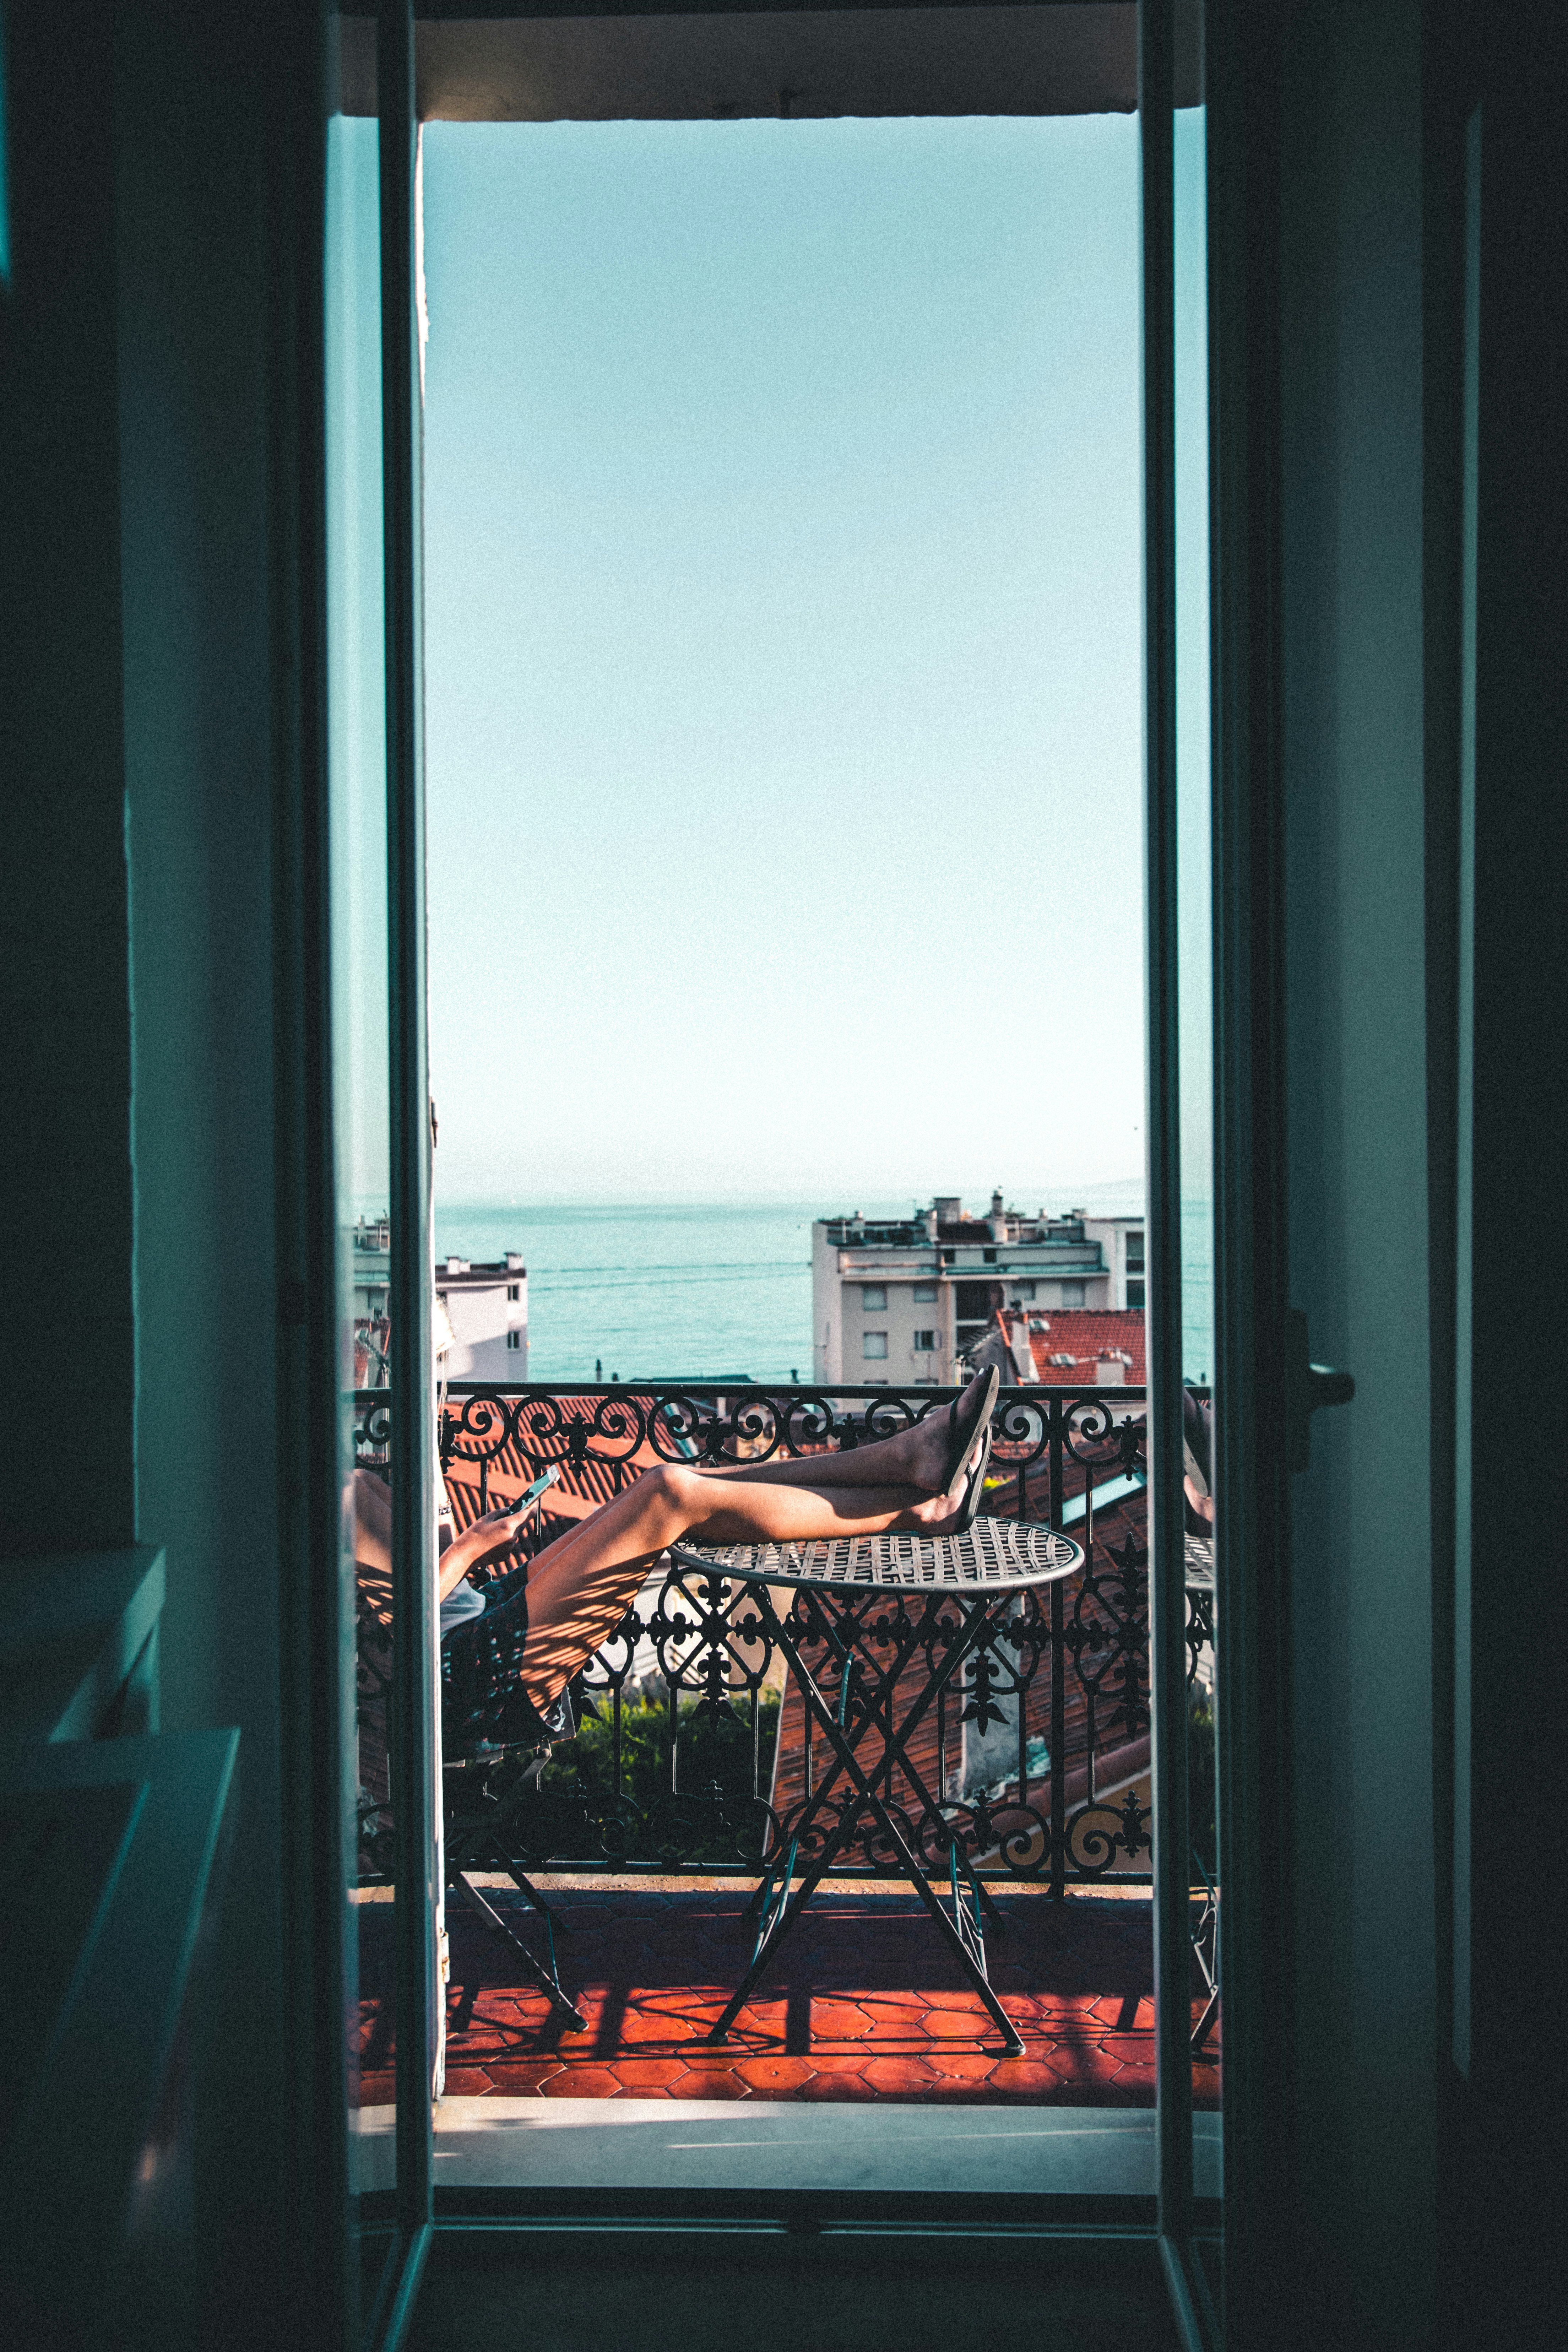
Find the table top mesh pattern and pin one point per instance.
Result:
(993, 1556)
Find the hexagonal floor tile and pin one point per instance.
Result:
(961, 2065)
(898, 2077)
(971, 2024)
(583, 2083)
(709, 2083)
(521, 2078)
(646, 2077)
(837, 2021)
(774, 2075)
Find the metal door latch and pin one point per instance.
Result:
(1308, 1388)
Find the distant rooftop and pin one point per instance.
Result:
(1066, 1345)
(947, 1221)
(479, 1273)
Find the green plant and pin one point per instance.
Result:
(712, 1802)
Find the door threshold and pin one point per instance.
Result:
(758, 2147)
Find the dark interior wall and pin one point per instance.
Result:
(67, 1384)
(152, 682)
(1351, 558)
(191, 250)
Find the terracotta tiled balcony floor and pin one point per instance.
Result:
(863, 2003)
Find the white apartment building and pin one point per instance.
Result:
(486, 1305)
(904, 1300)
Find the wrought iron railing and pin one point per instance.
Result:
(1048, 1717)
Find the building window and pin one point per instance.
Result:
(925, 1343)
(1072, 1294)
(514, 1340)
(1135, 1255)
(926, 1294)
(873, 1297)
(1134, 1294)
(514, 1290)
(1022, 1291)
(874, 1345)
(987, 1257)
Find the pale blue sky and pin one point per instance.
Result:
(784, 662)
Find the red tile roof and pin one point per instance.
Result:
(1067, 1343)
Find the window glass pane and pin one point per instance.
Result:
(1194, 921)
(874, 1345)
(357, 828)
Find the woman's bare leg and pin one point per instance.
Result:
(916, 1456)
(580, 1586)
(369, 1499)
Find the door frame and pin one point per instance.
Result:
(1250, 1463)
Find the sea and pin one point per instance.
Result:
(704, 1291)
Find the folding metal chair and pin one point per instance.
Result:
(495, 1745)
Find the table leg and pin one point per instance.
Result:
(871, 1802)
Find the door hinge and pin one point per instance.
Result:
(1308, 1388)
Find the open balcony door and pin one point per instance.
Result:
(383, 1148)
(1160, 37)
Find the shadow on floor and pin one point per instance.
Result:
(863, 2003)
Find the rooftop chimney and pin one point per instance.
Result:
(997, 1204)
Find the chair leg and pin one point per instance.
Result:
(1201, 2030)
(548, 1980)
(526, 1887)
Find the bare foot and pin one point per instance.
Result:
(926, 1459)
(937, 1513)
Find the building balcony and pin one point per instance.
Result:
(695, 1764)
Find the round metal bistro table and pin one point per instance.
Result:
(967, 1585)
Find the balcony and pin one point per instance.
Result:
(695, 1764)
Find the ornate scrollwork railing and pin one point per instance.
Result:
(688, 1757)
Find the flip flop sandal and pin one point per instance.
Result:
(961, 1434)
(975, 1492)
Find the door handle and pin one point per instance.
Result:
(1308, 1388)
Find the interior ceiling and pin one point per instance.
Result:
(1073, 57)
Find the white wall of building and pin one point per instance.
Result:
(1122, 1241)
(488, 1308)
(869, 1307)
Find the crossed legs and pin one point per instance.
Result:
(580, 1586)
